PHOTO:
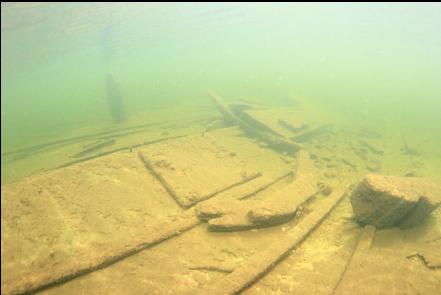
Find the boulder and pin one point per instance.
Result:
(387, 201)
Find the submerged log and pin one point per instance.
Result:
(273, 141)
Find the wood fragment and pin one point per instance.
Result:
(273, 141)
(267, 185)
(102, 154)
(290, 127)
(115, 99)
(222, 269)
(148, 165)
(357, 259)
(94, 148)
(284, 204)
(348, 163)
(371, 148)
(259, 264)
(44, 278)
(240, 182)
(114, 133)
(312, 133)
(75, 139)
(183, 203)
(425, 261)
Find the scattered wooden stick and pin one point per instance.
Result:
(309, 134)
(102, 154)
(114, 133)
(94, 148)
(223, 269)
(183, 203)
(259, 264)
(148, 165)
(357, 259)
(74, 139)
(273, 141)
(267, 185)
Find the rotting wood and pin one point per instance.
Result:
(267, 185)
(244, 180)
(94, 148)
(348, 163)
(94, 142)
(38, 280)
(425, 261)
(115, 99)
(223, 269)
(284, 204)
(44, 278)
(259, 264)
(371, 148)
(273, 141)
(260, 214)
(183, 203)
(406, 149)
(312, 133)
(290, 127)
(102, 135)
(102, 154)
(148, 165)
(357, 258)
(247, 118)
(242, 192)
(74, 139)
(241, 106)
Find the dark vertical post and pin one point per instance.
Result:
(115, 98)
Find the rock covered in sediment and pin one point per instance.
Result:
(387, 201)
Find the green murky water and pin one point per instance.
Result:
(224, 90)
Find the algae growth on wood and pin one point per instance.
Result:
(221, 148)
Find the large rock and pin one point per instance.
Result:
(387, 201)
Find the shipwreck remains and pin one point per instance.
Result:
(273, 141)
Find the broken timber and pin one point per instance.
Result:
(357, 259)
(273, 141)
(105, 153)
(38, 280)
(44, 278)
(312, 133)
(183, 203)
(259, 264)
(94, 148)
(284, 204)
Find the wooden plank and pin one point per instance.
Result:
(273, 141)
(259, 264)
(357, 259)
(183, 202)
(39, 280)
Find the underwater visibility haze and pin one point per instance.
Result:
(186, 148)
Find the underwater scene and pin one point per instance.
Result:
(220, 148)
